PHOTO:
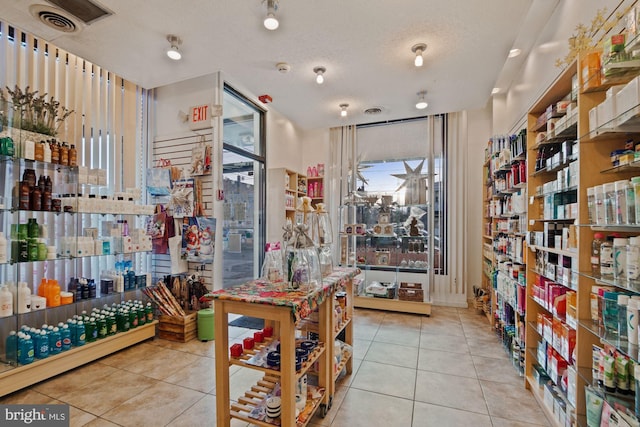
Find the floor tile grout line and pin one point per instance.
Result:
(484, 396)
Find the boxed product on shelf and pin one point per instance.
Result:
(411, 292)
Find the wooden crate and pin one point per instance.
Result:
(178, 328)
(410, 292)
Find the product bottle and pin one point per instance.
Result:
(620, 257)
(11, 348)
(26, 349)
(41, 345)
(65, 336)
(73, 331)
(595, 252)
(55, 341)
(3, 249)
(55, 152)
(623, 301)
(9, 147)
(632, 321)
(633, 259)
(80, 334)
(606, 258)
(6, 302)
(149, 312)
(102, 326)
(39, 151)
(142, 315)
(91, 330)
(53, 300)
(24, 298)
(64, 154)
(33, 230)
(591, 204)
(133, 318)
(73, 156)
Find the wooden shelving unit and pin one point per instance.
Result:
(40, 370)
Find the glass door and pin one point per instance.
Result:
(244, 178)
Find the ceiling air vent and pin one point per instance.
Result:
(54, 18)
(373, 111)
(86, 10)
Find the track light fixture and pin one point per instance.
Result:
(343, 110)
(270, 21)
(173, 52)
(319, 74)
(418, 49)
(422, 103)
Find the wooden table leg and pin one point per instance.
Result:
(287, 369)
(223, 415)
(325, 371)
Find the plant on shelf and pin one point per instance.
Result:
(37, 113)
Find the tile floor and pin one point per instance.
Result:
(413, 371)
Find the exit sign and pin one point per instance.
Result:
(200, 117)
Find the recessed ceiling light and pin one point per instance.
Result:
(514, 52)
(495, 90)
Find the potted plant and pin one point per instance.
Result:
(37, 114)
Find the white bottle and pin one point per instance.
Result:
(6, 302)
(633, 259)
(29, 150)
(632, 321)
(24, 298)
(3, 249)
(47, 153)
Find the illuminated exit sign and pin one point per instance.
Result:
(200, 117)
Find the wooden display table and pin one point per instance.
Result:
(285, 310)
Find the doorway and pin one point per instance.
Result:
(244, 183)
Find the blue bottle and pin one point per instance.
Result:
(26, 350)
(81, 336)
(73, 329)
(55, 341)
(41, 345)
(65, 334)
(12, 348)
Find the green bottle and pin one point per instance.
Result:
(91, 330)
(149, 312)
(142, 315)
(102, 327)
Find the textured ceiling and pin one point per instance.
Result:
(364, 44)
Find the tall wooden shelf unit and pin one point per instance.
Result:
(570, 264)
(503, 254)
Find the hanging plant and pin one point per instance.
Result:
(37, 113)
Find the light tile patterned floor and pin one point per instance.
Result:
(409, 371)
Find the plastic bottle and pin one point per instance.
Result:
(91, 330)
(24, 298)
(41, 345)
(133, 318)
(142, 315)
(3, 249)
(73, 156)
(609, 203)
(595, 252)
(6, 302)
(620, 258)
(102, 326)
(11, 348)
(623, 301)
(53, 299)
(606, 258)
(632, 321)
(65, 335)
(26, 350)
(80, 334)
(149, 312)
(591, 204)
(599, 200)
(73, 330)
(621, 188)
(55, 341)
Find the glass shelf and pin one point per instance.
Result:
(629, 285)
(553, 193)
(555, 167)
(68, 258)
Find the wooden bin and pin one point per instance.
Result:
(411, 292)
(178, 328)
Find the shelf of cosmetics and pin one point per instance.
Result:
(509, 248)
(19, 300)
(30, 343)
(28, 242)
(508, 206)
(614, 203)
(36, 194)
(45, 151)
(502, 150)
(511, 291)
